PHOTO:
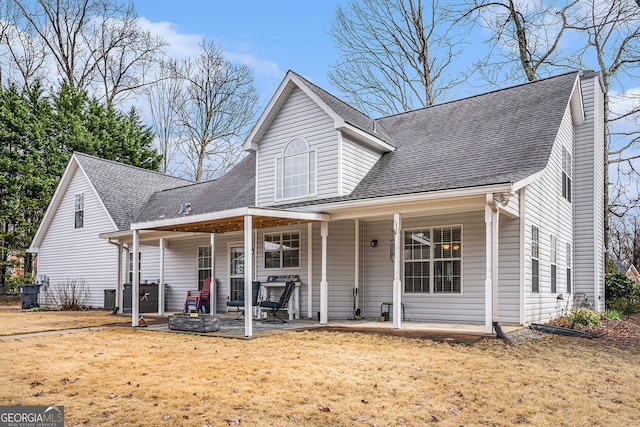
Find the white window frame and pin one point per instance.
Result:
(449, 246)
(203, 264)
(130, 267)
(79, 211)
(567, 174)
(281, 250)
(535, 259)
(307, 160)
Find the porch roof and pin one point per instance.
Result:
(225, 221)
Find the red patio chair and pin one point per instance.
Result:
(199, 301)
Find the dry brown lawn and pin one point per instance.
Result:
(123, 377)
(15, 321)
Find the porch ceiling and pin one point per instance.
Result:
(226, 225)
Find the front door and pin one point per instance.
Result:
(236, 271)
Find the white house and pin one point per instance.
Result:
(482, 210)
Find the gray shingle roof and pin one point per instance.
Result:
(124, 189)
(235, 189)
(494, 138)
(348, 113)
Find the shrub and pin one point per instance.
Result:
(610, 314)
(626, 306)
(70, 295)
(584, 316)
(617, 285)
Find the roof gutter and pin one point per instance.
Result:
(403, 198)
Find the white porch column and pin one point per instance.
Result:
(213, 296)
(248, 275)
(356, 273)
(488, 281)
(161, 296)
(135, 286)
(310, 270)
(494, 260)
(397, 259)
(118, 301)
(324, 287)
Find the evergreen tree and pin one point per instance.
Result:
(38, 135)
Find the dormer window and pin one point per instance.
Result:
(296, 171)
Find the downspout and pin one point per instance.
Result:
(495, 208)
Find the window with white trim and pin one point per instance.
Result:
(296, 171)
(79, 210)
(569, 268)
(282, 250)
(130, 272)
(204, 264)
(535, 259)
(567, 176)
(433, 260)
(554, 266)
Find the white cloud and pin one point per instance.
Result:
(181, 45)
(261, 67)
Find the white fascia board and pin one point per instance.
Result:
(366, 138)
(230, 213)
(575, 103)
(145, 235)
(528, 180)
(413, 197)
(72, 166)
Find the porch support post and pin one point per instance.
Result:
(161, 296)
(118, 301)
(488, 281)
(310, 270)
(494, 259)
(213, 294)
(397, 283)
(356, 273)
(248, 275)
(135, 286)
(324, 287)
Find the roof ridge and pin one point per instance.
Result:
(478, 95)
(120, 164)
(331, 95)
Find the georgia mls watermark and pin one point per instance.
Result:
(31, 416)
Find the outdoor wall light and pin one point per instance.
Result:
(374, 243)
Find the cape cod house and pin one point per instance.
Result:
(481, 210)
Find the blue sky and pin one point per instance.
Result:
(272, 36)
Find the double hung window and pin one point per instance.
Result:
(282, 250)
(433, 260)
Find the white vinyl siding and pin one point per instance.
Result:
(588, 192)
(546, 209)
(357, 161)
(73, 253)
(298, 117)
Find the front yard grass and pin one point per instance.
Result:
(122, 376)
(15, 321)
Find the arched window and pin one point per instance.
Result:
(296, 171)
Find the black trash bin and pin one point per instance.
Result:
(109, 299)
(29, 295)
